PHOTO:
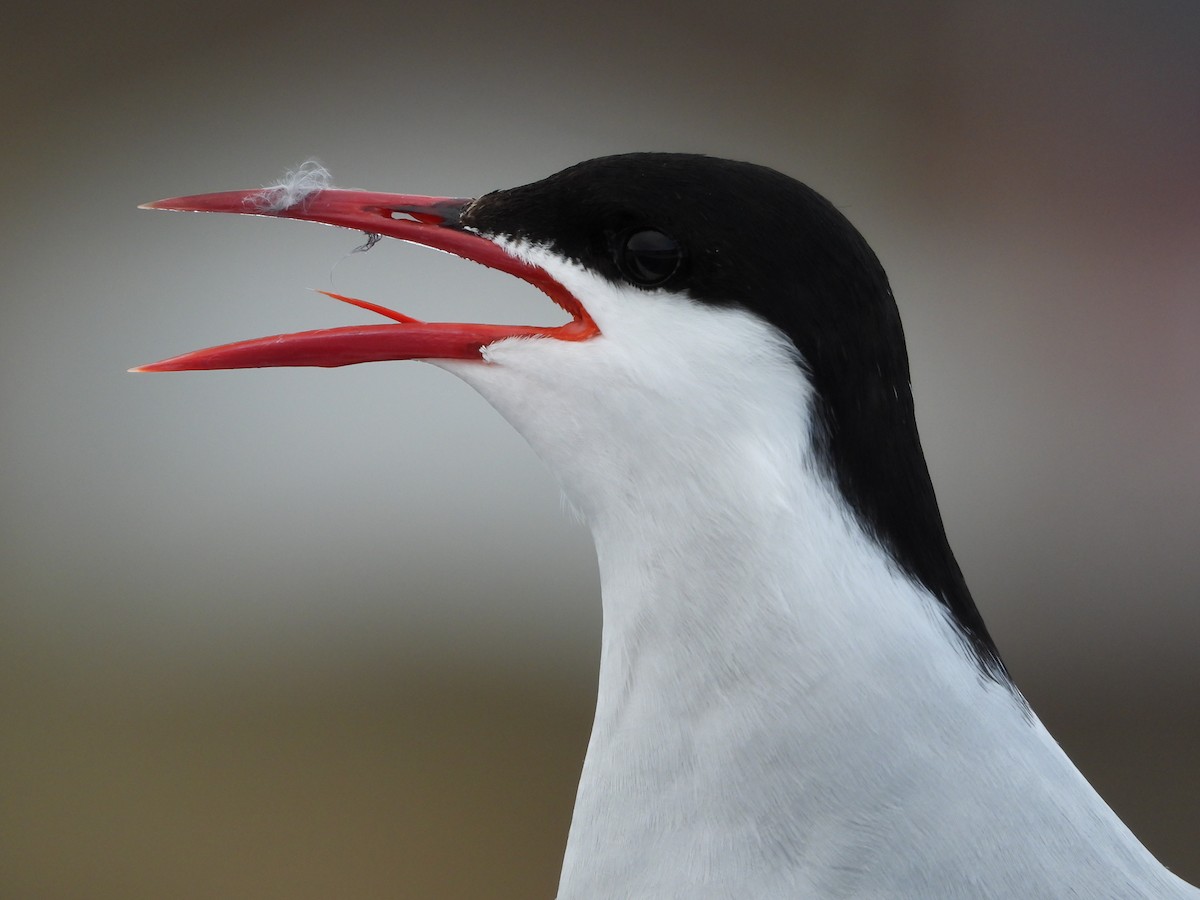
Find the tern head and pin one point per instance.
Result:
(718, 309)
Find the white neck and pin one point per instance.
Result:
(781, 712)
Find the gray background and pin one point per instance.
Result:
(301, 633)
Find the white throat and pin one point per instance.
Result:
(781, 712)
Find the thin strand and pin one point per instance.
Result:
(296, 186)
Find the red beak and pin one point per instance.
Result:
(432, 221)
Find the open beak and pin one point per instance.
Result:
(432, 221)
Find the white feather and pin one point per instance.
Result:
(781, 712)
(296, 186)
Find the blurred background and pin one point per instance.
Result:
(305, 634)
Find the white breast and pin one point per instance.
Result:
(781, 712)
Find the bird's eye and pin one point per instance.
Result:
(647, 257)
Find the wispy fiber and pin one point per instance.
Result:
(296, 186)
